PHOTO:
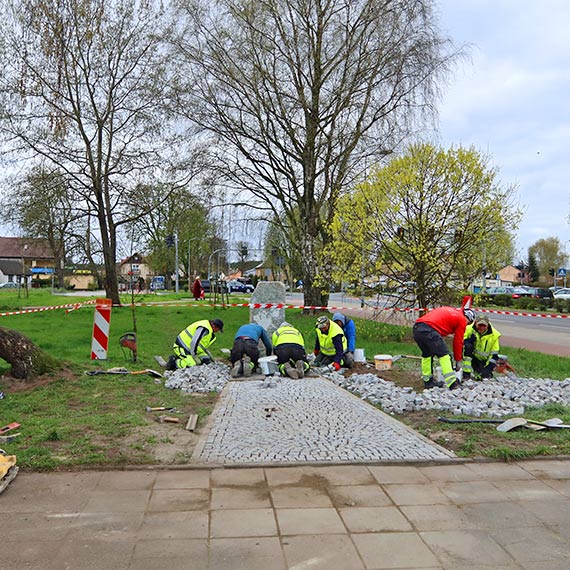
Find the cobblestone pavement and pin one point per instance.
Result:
(305, 420)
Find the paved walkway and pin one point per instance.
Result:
(305, 420)
(479, 516)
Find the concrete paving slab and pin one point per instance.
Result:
(394, 550)
(321, 552)
(447, 473)
(499, 515)
(174, 525)
(241, 498)
(462, 546)
(426, 494)
(123, 501)
(499, 471)
(386, 474)
(437, 517)
(93, 555)
(527, 490)
(126, 481)
(345, 475)
(241, 523)
(294, 497)
(246, 554)
(548, 469)
(358, 496)
(374, 519)
(162, 550)
(178, 500)
(182, 479)
(245, 477)
(473, 492)
(534, 544)
(309, 521)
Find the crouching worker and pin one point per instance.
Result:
(191, 345)
(245, 351)
(289, 347)
(349, 329)
(480, 349)
(330, 344)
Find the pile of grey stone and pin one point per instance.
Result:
(495, 398)
(199, 379)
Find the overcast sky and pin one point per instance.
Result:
(511, 100)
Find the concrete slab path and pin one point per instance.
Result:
(349, 517)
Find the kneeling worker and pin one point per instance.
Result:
(480, 349)
(349, 329)
(289, 347)
(191, 345)
(330, 344)
(245, 351)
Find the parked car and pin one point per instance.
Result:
(219, 286)
(236, 286)
(9, 285)
(519, 292)
(539, 292)
(499, 291)
(562, 294)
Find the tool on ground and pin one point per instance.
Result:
(508, 425)
(160, 409)
(9, 427)
(225, 351)
(168, 419)
(120, 370)
(129, 341)
(160, 360)
(192, 422)
(9, 438)
(411, 356)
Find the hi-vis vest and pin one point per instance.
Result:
(486, 345)
(184, 339)
(287, 335)
(325, 340)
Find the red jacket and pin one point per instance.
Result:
(447, 321)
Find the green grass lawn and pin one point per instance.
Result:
(79, 420)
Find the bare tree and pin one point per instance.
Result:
(298, 96)
(88, 86)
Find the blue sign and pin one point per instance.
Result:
(561, 272)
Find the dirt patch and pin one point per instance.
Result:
(402, 373)
(9, 384)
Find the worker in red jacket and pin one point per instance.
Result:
(429, 332)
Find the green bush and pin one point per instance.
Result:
(503, 300)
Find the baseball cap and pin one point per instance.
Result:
(219, 323)
(482, 319)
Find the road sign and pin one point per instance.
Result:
(561, 272)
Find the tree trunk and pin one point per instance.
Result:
(26, 359)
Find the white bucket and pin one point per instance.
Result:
(268, 364)
(382, 361)
(359, 355)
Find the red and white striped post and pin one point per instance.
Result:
(101, 325)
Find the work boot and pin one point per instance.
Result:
(300, 367)
(290, 371)
(431, 383)
(467, 376)
(171, 364)
(455, 385)
(247, 366)
(237, 369)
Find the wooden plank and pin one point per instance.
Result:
(192, 421)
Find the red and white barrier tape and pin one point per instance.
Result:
(75, 306)
(71, 307)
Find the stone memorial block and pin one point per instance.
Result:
(271, 317)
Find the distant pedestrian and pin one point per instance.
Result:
(429, 332)
(289, 347)
(245, 351)
(197, 289)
